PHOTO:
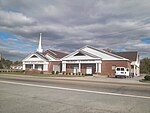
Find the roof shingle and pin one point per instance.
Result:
(132, 56)
(55, 54)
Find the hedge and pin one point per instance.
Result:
(147, 77)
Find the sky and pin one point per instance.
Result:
(67, 25)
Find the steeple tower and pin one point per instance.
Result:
(40, 45)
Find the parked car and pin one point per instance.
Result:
(122, 72)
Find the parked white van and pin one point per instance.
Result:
(122, 72)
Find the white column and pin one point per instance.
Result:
(99, 67)
(64, 67)
(138, 71)
(33, 66)
(134, 70)
(45, 67)
(24, 67)
(79, 67)
(96, 67)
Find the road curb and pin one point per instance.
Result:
(83, 80)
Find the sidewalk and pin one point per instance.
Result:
(103, 79)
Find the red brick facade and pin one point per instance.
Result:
(50, 66)
(107, 66)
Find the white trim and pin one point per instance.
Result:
(88, 50)
(82, 61)
(52, 52)
(80, 50)
(30, 55)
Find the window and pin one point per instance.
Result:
(56, 68)
(29, 66)
(122, 69)
(113, 67)
(118, 69)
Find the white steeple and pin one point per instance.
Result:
(40, 45)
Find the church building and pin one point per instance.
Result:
(88, 60)
(45, 61)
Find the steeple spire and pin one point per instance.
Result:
(40, 45)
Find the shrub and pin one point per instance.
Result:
(147, 77)
(53, 72)
(57, 72)
(41, 72)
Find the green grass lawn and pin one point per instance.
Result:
(41, 75)
(17, 73)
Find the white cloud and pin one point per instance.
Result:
(14, 19)
(70, 24)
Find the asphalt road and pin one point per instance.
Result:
(36, 95)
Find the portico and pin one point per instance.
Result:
(38, 65)
(82, 66)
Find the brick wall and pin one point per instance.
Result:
(33, 71)
(107, 66)
(50, 66)
(69, 67)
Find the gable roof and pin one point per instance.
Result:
(52, 53)
(41, 55)
(95, 53)
(105, 52)
(37, 54)
(55, 54)
(132, 55)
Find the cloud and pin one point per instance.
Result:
(11, 19)
(68, 25)
(12, 54)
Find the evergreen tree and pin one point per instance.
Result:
(5, 64)
(145, 65)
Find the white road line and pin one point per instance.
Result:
(77, 90)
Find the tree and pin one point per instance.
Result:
(145, 66)
(5, 64)
(17, 62)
